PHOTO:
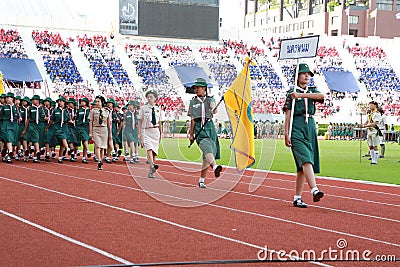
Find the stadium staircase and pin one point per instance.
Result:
(33, 53)
(82, 64)
(127, 65)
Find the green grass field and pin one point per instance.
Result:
(338, 158)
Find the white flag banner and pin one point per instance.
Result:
(398, 16)
(373, 14)
(302, 47)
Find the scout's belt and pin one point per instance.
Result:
(303, 115)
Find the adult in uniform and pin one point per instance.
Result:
(9, 126)
(303, 139)
(99, 129)
(202, 129)
(59, 119)
(372, 131)
(82, 126)
(150, 129)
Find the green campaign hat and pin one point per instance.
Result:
(153, 92)
(48, 99)
(35, 97)
(137, 104)
(18, 97)
(131, 102)
(9, 94)
(200, 82)
(53, 103)
(25, 98)
(72, 100)
(303, 67)
(3, 96)
(93, 103)
(61, 98)
(85, 99)
(110, 100)
(124, 107)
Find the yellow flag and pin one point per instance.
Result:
(238, 103)
(1, 84)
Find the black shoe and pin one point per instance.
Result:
(47, 159)
(119, 152)
(317, 196)
(100, 165)
(89, 154)
(26, 159)
(78, 154)
(72, 159)
(369, 158)
(85, 161)
(299, 203)
(36, 161)
(60, 161)
(374, 163)
(217, 171)
(132, 161)
(108, 160)
(8, 160)
(202, 185)
(381, 157)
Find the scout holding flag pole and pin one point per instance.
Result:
(299, 108)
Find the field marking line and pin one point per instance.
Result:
(207, 204)
(236, 192)
(66, 238)
(145, 216)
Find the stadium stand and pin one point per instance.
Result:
(11, 44)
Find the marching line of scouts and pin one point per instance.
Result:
(31, 128)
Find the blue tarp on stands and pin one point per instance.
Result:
(341, 81)
(20, 70)
(188, 75)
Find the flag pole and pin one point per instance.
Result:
(293, 101)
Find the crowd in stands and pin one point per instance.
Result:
(177, 55)
(147, 65)
(106, 65)
(328, 59)
(11, 44)
(220, 64)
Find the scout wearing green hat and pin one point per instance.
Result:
(34, 127)
(202, 129)
(71, 129)
(303, 136)
(9, 126)
(116, 126)
(23, 112)
(82, 126)
(48, 137)
(59, 118)
(129, 132)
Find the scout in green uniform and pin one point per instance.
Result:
(82, 126)
(48, 138)
(124, 142)
(115, 123)
(303, 139)
(2, 101)
(72, 132)
(59, 118)
(9, 126)
(202, 129)
(128, 132)
(23, 112)
(120, 116)
(33, 130)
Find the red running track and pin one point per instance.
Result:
(72, 214)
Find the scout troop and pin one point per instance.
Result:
(31, 128)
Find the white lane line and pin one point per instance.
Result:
(149, 217)
(236, 192)
(66, 238)
(208, 204)
(294, 175)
